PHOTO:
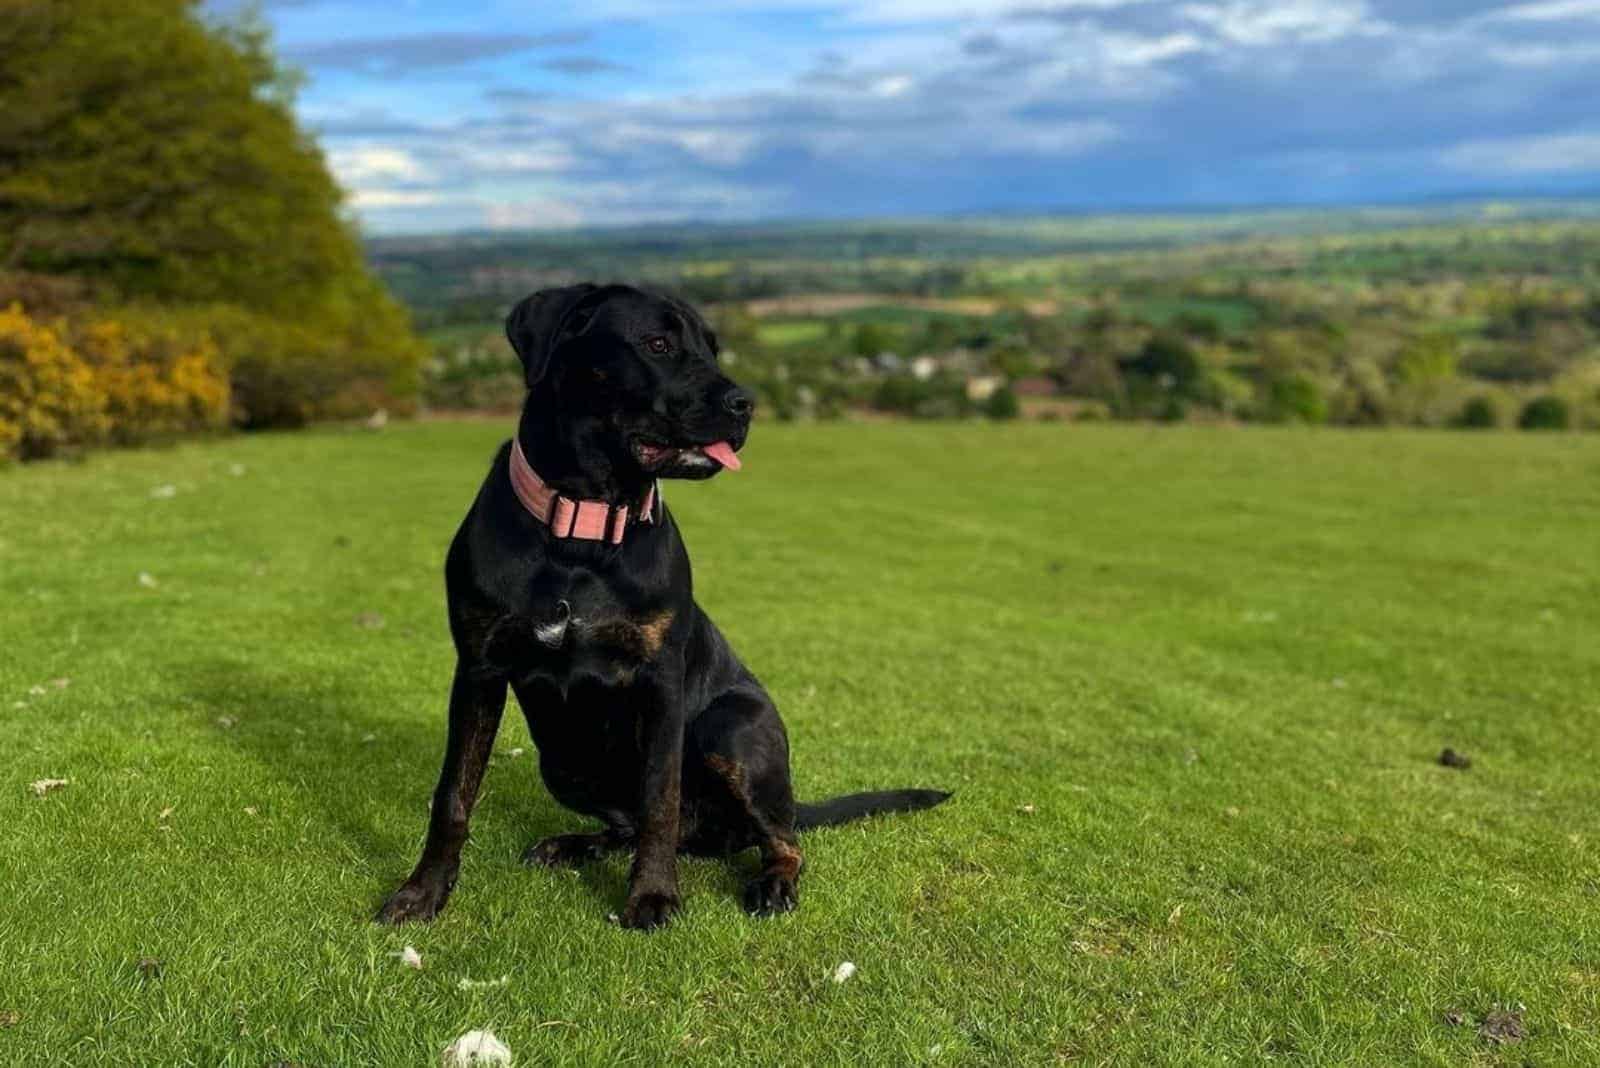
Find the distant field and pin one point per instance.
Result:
(1189, 685)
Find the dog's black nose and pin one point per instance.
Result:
(738, 401)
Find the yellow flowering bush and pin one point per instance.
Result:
(159, 381)
(49, 397)
(124, 380)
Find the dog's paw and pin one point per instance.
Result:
(415, 902)
(769, 894)
(565, 851)
(648, 911)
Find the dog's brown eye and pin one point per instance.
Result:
(658, 345)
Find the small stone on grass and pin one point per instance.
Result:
(844, 972)
(475, 1048)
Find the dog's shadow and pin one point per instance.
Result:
(313, 735)
(317, 737)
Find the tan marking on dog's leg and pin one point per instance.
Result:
(782, 858)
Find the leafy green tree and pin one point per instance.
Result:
(1002, 404)
(1548, 412)
(1294, 398)
(1167, 370)
(158, 156)
(1429, 360)
(1480, 413)
(872, 339)
(137, 143)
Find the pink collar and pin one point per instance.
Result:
(567, 518)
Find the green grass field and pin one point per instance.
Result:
(1190, 686)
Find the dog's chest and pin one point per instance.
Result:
(574, 630)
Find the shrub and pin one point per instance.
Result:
(159, 380)
(1293, 398)
(49, 397)
(1480, 413)
(474, 377)
(1002, 404)
(1093, 412)
(1548, 412)
(1169, 361)
(1363, 396)
(337, 361)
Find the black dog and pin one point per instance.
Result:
(568, 581)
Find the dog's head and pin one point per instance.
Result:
(636, 373)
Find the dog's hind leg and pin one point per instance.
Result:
(572, 850)
(745, 756)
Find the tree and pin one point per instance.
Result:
(1547, 412)
(140, 145)
(1479, 413)
(1002, 404)
(157, 157)
(1170, 362)
(871, 339)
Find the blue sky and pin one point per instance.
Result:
(511, 114)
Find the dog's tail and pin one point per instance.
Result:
(839, 810)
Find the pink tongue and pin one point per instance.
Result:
(723, 453)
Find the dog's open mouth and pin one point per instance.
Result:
(653, 456)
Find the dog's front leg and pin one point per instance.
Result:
(653, 884)
(477, 698)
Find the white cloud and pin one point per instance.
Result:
(1555, 54)
(893, 85)
(359, 164)
(1256, 23)
(380, 199)
(542, 157)
(1550, 154)
(892, 11)
(1549, 11)
(543, 213)
(882, 12)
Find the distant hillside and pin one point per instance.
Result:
(463, 277)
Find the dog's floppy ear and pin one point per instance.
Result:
(537, 324)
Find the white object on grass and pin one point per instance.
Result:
(843, 972)
(40, 787)
(475, 1048)
(410, 958)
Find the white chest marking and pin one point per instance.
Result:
(555, 632)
